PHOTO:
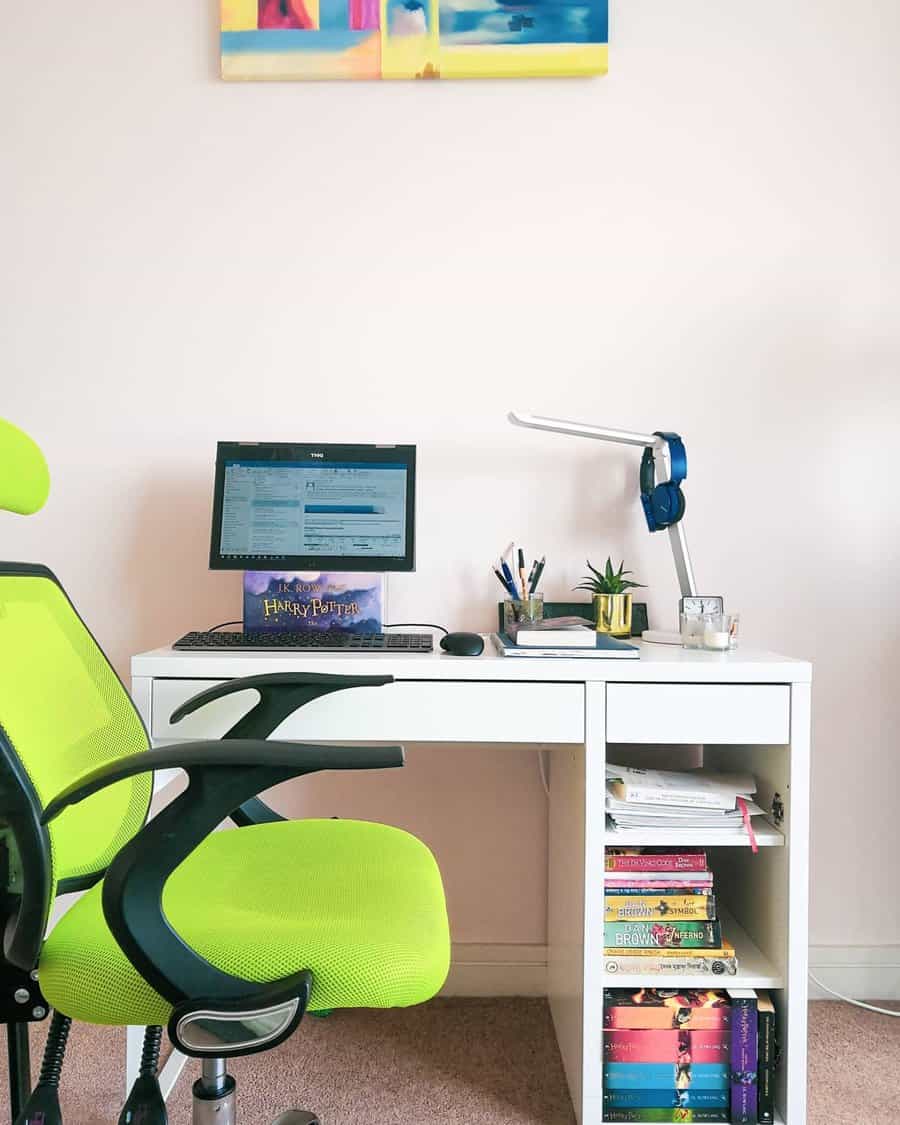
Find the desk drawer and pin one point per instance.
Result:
(724, 714)
(414, 711)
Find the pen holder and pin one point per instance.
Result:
(523, 611)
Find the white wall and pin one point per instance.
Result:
(707, 240)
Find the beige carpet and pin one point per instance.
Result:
(461, 1062)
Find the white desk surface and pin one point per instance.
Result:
(657, 663)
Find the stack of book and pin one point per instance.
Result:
(679, 800)
(660, 915)
(666, 1055)
(693, 1056)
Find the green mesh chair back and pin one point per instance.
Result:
(63, 712)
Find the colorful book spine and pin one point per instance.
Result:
(658, 880)
(765, 1071)
(658, 1076)
(676, 1046)
(677, 887)
(671, 964)
(668, 1099)
(671, 907)
(726, 949)
(744, 1056)
(687, 1115)
(647, 1008)
(662, 935)
(673, 861)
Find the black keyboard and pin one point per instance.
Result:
(264, 641)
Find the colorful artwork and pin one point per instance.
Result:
(322, 39)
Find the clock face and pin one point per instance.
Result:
(702, 603)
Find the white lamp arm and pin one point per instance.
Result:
(660, 447)
(583, 429)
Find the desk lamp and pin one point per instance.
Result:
(663, 468)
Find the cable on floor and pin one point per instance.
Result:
(543, 765)
(850, 1000)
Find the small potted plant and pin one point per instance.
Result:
(612, 602)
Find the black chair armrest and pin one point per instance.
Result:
(221, 775)
(294, 758)
(280, 694)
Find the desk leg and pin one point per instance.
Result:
(575, 894)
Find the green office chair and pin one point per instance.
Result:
(224, 938)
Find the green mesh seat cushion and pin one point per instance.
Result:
(361, 905)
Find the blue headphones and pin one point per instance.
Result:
(663, 503)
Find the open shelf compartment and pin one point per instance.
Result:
(755, 970)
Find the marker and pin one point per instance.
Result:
(538, 573)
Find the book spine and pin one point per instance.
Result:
(675, 1046)
(675, 888)
(666, 1099)
(687, 1115)
(674, 861)
(653, 1018)
(744, 1060)
(672, 965)
(765, 1096)
(662, 935)
(675, 908)
(658, 1076)
(765, 1073)
(637, 951)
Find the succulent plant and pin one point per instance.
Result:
(608, 581)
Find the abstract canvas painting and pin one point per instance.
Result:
(288, 39)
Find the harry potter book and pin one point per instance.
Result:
(314, 602)
(744, 1056)
(669, 1045)
(646, 1008)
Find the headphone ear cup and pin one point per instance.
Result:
(668, 504)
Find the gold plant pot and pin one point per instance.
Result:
(612, 612)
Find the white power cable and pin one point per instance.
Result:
(542, 766)
(849, 1000)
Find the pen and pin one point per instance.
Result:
(506, 586)
(507, 577)
(531, 575)
(538, 572)
(522, 573)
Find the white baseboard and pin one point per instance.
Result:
(497, 970)
(863, 972)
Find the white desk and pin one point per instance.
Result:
(749, 710)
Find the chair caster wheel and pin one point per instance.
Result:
(297, 1117)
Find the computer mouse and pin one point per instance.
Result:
(463, 644)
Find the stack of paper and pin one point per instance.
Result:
(678, 799)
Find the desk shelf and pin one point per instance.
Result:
(767, 836)
(755, 970)
(761, 895)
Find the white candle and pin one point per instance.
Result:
(716, 639)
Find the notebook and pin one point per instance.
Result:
(606, 648)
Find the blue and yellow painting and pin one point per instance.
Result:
(324, 39)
